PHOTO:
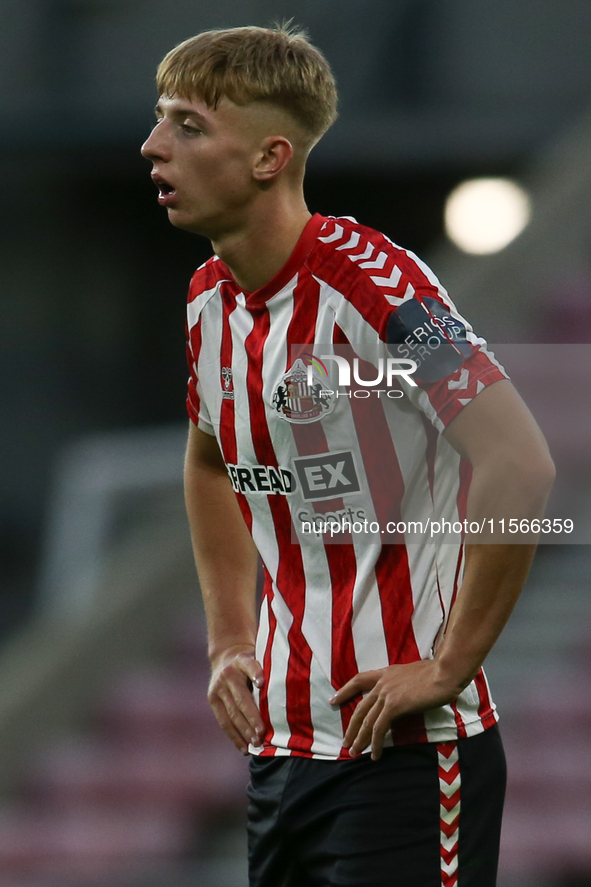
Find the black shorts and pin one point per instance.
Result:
(424, 815)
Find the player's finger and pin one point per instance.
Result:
(361, 683)
(380, 729)
(229, 729)
(245, 704)
(235, 715)
(234, 677)
(364, 736)
(357, 719)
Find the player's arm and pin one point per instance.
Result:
(512, 477)
(226, 561)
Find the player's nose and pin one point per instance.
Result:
(156, 145)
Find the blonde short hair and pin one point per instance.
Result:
(277, 65)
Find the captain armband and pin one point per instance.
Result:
(423, 330)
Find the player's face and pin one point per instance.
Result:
(203, 161)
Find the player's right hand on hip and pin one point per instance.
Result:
(233, 674)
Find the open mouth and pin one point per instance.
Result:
(165, 189)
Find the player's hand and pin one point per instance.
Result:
(390, 693)
(233, 673)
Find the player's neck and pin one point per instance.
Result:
(258, 251)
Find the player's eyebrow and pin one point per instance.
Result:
(180, 112)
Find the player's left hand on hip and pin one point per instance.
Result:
(389, 693)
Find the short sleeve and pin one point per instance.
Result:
(196, 407)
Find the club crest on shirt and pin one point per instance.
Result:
(227, 383)
(297, 401)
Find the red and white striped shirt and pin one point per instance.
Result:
(295, 455)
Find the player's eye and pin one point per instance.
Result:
(190, 128)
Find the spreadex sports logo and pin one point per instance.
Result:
(322, 476)
(301, 395)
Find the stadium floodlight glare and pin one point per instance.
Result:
(483, 216)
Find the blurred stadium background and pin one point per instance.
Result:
(112, 770)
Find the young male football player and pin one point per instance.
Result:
(359, 692)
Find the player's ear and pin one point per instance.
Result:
(274, 155)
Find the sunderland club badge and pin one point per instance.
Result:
(298, 401)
